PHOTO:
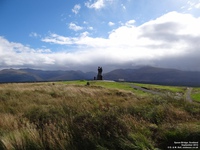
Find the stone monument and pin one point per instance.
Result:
(99, 75)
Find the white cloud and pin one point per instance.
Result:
(74, 27)
(172, 35)
(130, 23)
(18, 55)
(97, 4)
(85, 22)
(124, 7)
(34, 34)
(197, 5)
(191, 4)
(57, 39)
(76, 8)
(90, 28)
(111, 23)
(171, 40)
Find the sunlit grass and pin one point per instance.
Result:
(163, 87)
(195, 95)
(101, 115)
(108, 84)
(105, 84)
(75, 82)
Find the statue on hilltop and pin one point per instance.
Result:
(99, 75)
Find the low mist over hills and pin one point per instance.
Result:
(143, 74)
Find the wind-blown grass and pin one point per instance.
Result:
(99, 116)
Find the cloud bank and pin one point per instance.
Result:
(171, 40)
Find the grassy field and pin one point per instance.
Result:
(101, 115)
(163, 88)
(196, 94)
(109, 85)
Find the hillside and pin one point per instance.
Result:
(103, 115)
(156, 76)
(31, 75)
(13, 75)
(143, 74)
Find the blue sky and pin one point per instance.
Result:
(82, 35)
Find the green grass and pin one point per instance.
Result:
(195, 95)
(105, 84)
(125, 85)
(103, 115)
(110, 85)
(163, 87)
(75, 82)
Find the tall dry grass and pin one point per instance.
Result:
(59, 116)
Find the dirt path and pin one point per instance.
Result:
(188, 94)
(146, 90)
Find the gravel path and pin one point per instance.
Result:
(188, 93)
(146, 90)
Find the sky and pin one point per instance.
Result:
(85, 34)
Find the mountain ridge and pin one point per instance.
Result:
(145, 74)
(157, 76)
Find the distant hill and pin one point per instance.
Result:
(12, 75)
(31, 75)
(156, 76)
(60, 75)
(143, 74)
